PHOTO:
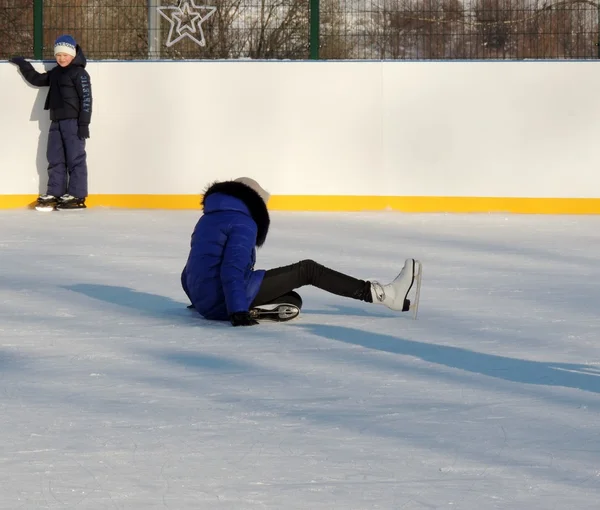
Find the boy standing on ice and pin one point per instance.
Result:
(219, 276)
(70, 103)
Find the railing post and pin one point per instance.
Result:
(153, 30)
(315, 28)
(38, 29)
(598, 29)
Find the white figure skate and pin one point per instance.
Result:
(395, 295)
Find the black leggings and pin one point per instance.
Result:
(282, 280)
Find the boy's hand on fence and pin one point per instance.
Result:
(242, 319)
(83, 131)
(18, 61)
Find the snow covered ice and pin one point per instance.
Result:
(115, 396)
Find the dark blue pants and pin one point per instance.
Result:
(67, 160)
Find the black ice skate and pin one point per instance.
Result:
(282, 309)
(69, 202)
(275, 312)
(46, 203)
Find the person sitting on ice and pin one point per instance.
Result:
(219, 276)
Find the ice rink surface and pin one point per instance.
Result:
(115, 396)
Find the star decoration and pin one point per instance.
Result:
(186, 21)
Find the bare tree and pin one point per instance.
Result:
(269, 29)
(103, 31)
(497, 26)
(16, 28)
(280, 29)
(563, 30)
(338, 38)
(414, 28)
(535, 29)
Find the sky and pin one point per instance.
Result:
(115, 396)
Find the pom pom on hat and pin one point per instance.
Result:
(65, 44)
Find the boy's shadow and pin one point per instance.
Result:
(43, 119)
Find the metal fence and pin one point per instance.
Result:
(303, 29)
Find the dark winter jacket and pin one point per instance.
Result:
(219, 276)
(70, 94)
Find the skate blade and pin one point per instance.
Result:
(44, 208)
(417, 275)
(279, 312)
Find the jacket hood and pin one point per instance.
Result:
(79, 59)
(251, 199)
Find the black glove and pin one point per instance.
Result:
(19, 61)
(83, 131)
(242, 319)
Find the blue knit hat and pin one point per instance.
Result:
(65, 44)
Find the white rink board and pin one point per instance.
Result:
(480, 129)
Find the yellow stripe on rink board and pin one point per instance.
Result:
(145, 201)
(16, 201)
(437, 204)
(117, 201)
(347, 203)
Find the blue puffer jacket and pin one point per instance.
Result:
(219, 276)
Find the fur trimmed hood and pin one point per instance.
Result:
(253, 201)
